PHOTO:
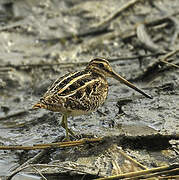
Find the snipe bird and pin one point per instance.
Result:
(81, 92)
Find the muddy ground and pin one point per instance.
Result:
(42, 40)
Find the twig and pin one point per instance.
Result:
(172, 171)
(164, 59)
(24, 167)
(89, 32)
(67, 65)
(38, 172)
(116, 14)
(169, 177)
(143, 172)
(132, 160)
(136, 57)
(32, 160)
(51, 145)
(15, 172)
(61, 166)
(132, 32)
(154, 67)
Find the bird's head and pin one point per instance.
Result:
(102, 67)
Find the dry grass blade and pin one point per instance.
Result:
(43, 177)
(116, 14)
(143, 172)
(16, 171)
(164, 59)
(171, 64)
(9, 67)
(169, 177)
(52, 145)
(132, 160)
(154, 67)
(156, 174)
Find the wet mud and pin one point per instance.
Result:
(42, 40)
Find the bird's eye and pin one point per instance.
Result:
(101, 65)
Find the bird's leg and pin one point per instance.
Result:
(64, 124)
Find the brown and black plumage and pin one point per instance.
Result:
(81, 92)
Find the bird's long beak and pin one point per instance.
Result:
(124, 81)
